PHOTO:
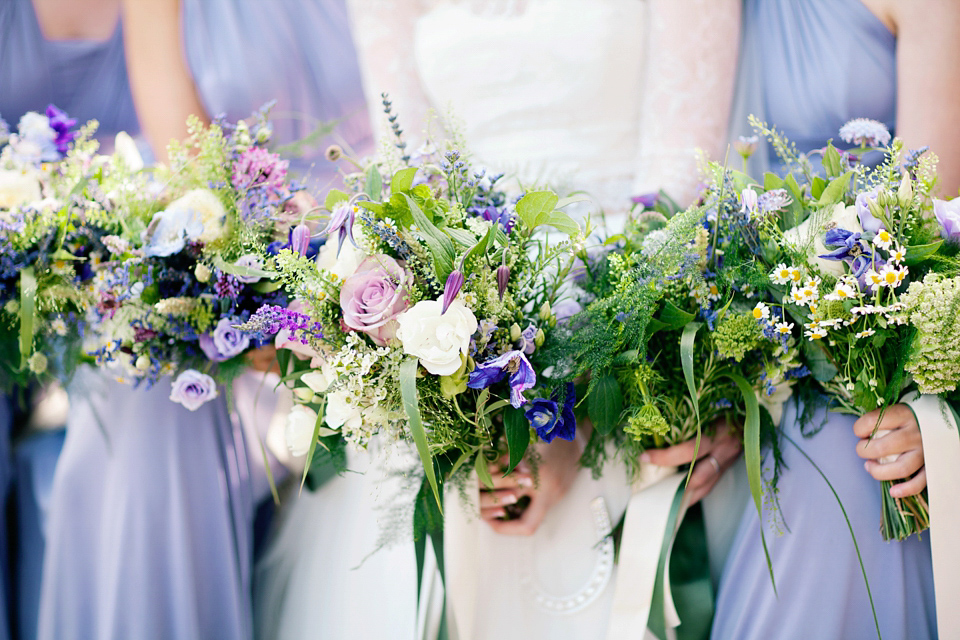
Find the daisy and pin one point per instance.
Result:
(842, 291)
(782, 274)
(883, 239)
(761, 311)
(898, 254)
(815, 334)
(784, 328)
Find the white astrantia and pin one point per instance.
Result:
(437, 339)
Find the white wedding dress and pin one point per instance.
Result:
(613, 97)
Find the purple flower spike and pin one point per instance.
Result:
(300, 240)
(341, 221)
(503, 277)
(451, 288)
(61, 124)
(513, 364)
(549, 421)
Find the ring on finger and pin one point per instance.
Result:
(716, 464)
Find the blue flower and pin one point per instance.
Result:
(550, 421)
(513, 364)
(170, 229)
(847, 244)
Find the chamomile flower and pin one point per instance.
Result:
(898, 254)
(817, 333)
(806, 294)
(784, 328)
(883, 239)
(782, 274)
(891, 276)
(866, 333)
(761, 311)
(713, 291)
(842, 291)
(874, 281)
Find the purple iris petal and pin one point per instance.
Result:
(551, 422)
(513, 364)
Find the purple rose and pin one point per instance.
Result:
(373, 297)
(948, 215)
(868, 221)
(251, 261)
(225, 342)
(193, 389)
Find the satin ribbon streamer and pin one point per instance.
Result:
(941, 453)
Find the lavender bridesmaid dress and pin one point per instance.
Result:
(809, 66)
(151, 507)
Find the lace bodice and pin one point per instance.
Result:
(609, 96)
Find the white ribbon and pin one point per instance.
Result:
(941, 454)
(644, 531)
(461, 541)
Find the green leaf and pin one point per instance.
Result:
(535, 206)
(482, 246)
(793, 187)
(402, 180)
(687, 341)
(831, 161)
(374, 207)
(605, 404)
(334, 197)
(313, 445)
(483, 473)
(374, 183)
(673, 317)
(820, 366)
(751, 454)
(835, 190)
(28, 311)
(411, 405)
(440, 245)
(240, 270)
(772, 181)
(461, 236)
(562, 222)
(920, 252)
(517, 429)
(266, 286)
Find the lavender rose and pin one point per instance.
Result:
(193, 389)
(948, 215)
(374, 296)
(225, 342)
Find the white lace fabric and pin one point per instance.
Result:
(610, 96)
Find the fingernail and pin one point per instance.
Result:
(644, 457)
(508, 499)
(524, 481)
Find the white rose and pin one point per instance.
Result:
(437, 339)
(809, 236)
(340, 413)
(208, 208)
(301, 422)
(345, 264)
(17, 188)
(319, 380)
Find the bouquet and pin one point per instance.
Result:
(870, 276)
(426, 317)
(48, 249)
(183, 265)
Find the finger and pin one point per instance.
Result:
(890, 444)
(696, 495)
(903, 467)
(513, 480)
(726, 452)
(911, 487)
(493, 514)
(500, 498)
(678, 454)
(897, 415)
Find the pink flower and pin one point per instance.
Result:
(372, 298)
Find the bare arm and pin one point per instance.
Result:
(688, 91)
(163, 90)
(928, 78)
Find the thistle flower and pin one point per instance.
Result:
(865, 132)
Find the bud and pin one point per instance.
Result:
(539, 338)
(334, 152)
(905, 192)
(746, 146)
(143, 363)
(300, 239)
(303, 394)
(503, 277)
(263, 135)
(545, 312)
(202, 273)
(515, 332)
(876, 210)
(451, 289)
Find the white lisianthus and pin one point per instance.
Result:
(341, 413)
(809, 236)
(319, 380)
(18, 188)
(437, 339)
(301, 422)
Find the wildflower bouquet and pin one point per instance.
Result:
(46, 247)
(183, 267)
(424, 317)
(870, 276)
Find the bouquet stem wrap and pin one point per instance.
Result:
(941, 452)
(652, 519)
